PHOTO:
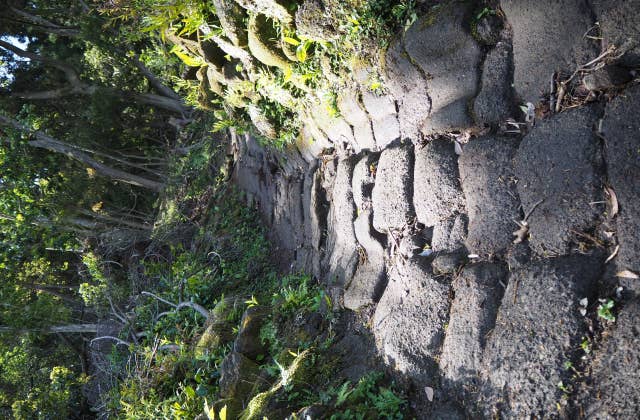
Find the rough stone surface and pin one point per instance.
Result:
(248, 341)
(238, 375)
(449, 234)
(622, 148)
(409, 87)
(538, 329)
(620, 26)
(341, 246)
(335, 127)
(608, 77)
(409, 321)
(312, 21)
(559, 162)
(494, 103)
(358, 118)
(231, 19)
(392, 194)
(369, 281)
(615, 377)
(437, 194)
(363, 180)
(448, 262)
(384, 119)
(473, 313)
(548, 36)
(445, 51)
(487, 177)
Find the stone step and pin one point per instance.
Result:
(538, 329)
(559, 167)
(488, 182)
(393, 192)
(449, 56)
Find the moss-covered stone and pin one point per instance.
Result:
(312, 21)
(261, 122)
(239, 377)
(248, 340)
(261, 33)
(257, 408)
(232, 18)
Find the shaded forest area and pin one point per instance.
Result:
(121, 238)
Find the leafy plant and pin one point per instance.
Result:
(605, 310)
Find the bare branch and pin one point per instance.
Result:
(145, 293)
(198, 308)
(109, 337)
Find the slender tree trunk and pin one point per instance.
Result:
(57, 329)
(44, 141)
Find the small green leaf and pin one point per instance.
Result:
(301, 52)
(223, 413)
(187, 59)
(291, 41)
(190, 392)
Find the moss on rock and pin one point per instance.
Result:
(232, 18)
(261, 33)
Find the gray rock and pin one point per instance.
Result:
(443, 49)
(620, 26)
(238, 376)
(392, 193)
(548, 36)
(437, 194)
(409, 87)
(248, 340)
(358, 118)
(449, 234)
(494, 103)
(448, 262)
(335, 127)
(620, 130)
(559, 162)
(409, 321)
(473, 313)
(384, 119)
(312, 21)
(608, 77)
(488, 184)
(537, 330)
(363, 180)
(231, 19)
(369, 281)
(615, 377)
(341, 246)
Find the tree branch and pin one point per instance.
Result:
(155, 82)
(70, 73)
(109, 337)
(45, 25)
(44, 141)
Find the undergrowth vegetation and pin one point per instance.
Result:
(210, 328)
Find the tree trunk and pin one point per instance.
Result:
(44, 141)
(56, 329)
